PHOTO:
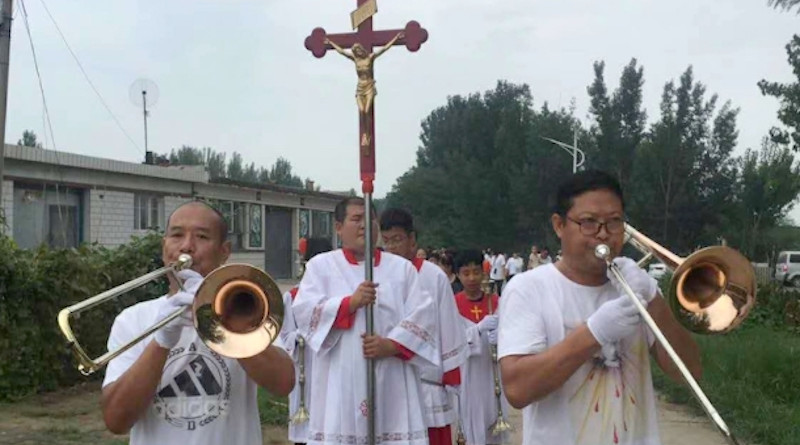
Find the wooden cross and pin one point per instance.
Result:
(319, 42)
(476, 311)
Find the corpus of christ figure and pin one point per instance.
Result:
(365, 89)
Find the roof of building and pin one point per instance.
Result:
(185, 173)
(278, 188)
(189, 173)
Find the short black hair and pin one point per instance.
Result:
(446, 260)
(396, 217)
(315, 246)
(468, 257)
(223, 225)
(340, 212)
(580, 183)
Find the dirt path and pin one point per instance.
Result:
(72, 416)
(677, 425)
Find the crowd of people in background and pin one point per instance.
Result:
(498, 267)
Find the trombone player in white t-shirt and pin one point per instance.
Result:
(171, 387)
(574, 352)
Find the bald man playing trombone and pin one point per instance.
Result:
(171, 388)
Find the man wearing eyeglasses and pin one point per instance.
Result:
(574, 354)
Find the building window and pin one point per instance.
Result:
(234, 214)
(47, 215)
(255, 235)
(305, 223)
(321, 222)
(236, 217)
(148, 212)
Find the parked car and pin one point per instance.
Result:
(657, 270)
(787, 268)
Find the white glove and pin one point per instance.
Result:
(489, 323)
(614, 320)
(643, 285)
(169, 335)
(492, 336)
(191, 280)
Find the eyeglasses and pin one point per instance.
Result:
(591, 227)
(395, 240)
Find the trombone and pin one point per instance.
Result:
(712, 291)
(500, 425)
(301, 415)
(237, 311)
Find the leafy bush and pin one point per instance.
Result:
(36, 284)
(777, 307)
(272, 410)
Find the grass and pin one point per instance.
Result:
(272, 410)
(752, 377)
(71, 415)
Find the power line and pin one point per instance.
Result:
(86, 76)
(38, 74)
(46, 114)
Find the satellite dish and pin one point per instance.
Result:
(144, 93)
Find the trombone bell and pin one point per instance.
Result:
(712, 290)
(238, 310)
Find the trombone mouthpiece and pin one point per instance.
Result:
(184, 262)
(602, 251)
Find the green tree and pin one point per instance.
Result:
(187, 156)
(684, 171)
(767, 190)
(235, 167)
(788, 94)
(215, 163)
(250, 174)
(281, 173)
(29, 140)
(619, 121)
(785, 5)
(263, 175)
(483, 173)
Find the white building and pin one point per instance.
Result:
(63, 199)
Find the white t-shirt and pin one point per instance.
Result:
(514, 266)
(498, 264)
(609, 399)
(203, 398)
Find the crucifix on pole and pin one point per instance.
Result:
(362, 44)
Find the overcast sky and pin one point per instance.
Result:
(234, 75)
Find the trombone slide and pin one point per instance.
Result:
(500, 425)
(301, 415)
(86, 365)
(604, 252)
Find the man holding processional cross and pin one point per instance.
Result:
(379, 402)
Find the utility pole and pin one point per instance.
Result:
(5, 51)
(572, 150)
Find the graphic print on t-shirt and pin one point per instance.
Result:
(604, 406)
(195, 388)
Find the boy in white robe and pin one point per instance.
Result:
(329, 308)
(478, 401)
(399, 237)
(292, 338)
